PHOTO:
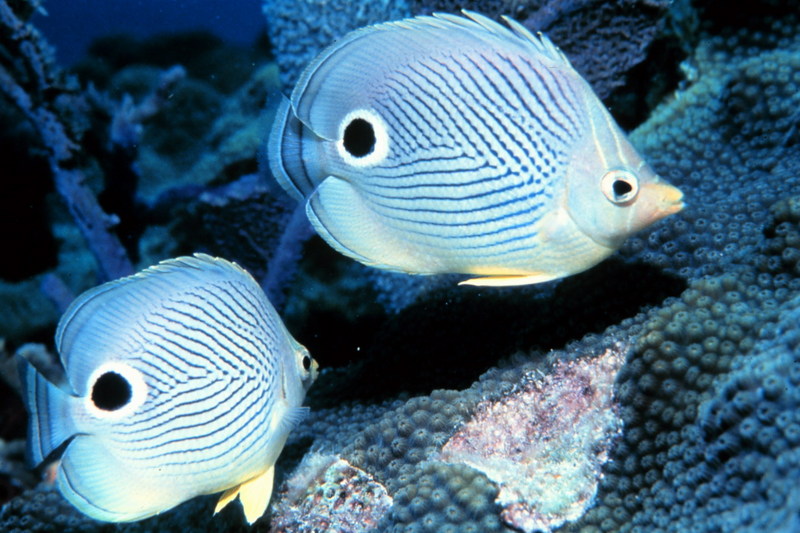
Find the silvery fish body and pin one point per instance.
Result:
(454, 144)
(180, 380)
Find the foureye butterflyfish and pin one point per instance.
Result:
(453, 144)
(178, 381)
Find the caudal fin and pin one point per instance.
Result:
(50, 423)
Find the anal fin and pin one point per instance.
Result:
(510, 281)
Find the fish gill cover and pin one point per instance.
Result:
(702, 433)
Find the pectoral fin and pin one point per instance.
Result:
(510, 281)
(254, 495)
(343, 217)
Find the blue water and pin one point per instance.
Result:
(71, 25)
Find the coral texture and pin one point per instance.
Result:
(300, 29)
(602, 39)
(343, 498)
(544, 444)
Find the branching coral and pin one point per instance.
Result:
(30, 80)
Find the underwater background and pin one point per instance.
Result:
(658, 391)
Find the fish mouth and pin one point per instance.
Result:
(666, 199)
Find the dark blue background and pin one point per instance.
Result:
(71, 25)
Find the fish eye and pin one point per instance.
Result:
(111, 391)
(310, 367)
(620, 186)
(359, 138)
(363, 138)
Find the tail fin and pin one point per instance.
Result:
(50, 423)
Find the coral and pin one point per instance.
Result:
(707, 301)
(444, 497)
(602, 39)
(680, 464)
(13, 470)
(181, 144)
(244, 219)
(299, 29)
(732, 150)
(545, 443)
(111, 62)
(126, 124)
(44, 510)
(444, 458)
(695, 452)
(53, 105)
(343, 498)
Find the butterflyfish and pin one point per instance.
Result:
(178, 381)
(454, 144)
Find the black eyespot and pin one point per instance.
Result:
(307, 362)
(111, 392)
(621, 188)
(359, 138)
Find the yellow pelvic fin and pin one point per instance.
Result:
(227, 497)
(254, 495)
(509, 281)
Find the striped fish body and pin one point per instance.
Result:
(178, 381)
(453, 144)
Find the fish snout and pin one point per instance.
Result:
(660, 200)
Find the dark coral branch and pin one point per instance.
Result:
(57, 291)
(282, 265)
(126, 124)
(95, 225)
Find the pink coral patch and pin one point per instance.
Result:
(545, 443)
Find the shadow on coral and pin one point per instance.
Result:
(451, 337)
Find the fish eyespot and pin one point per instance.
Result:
(620, 186)
(111, 391)
(115, 391)
(363, 138)
(359, 138)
